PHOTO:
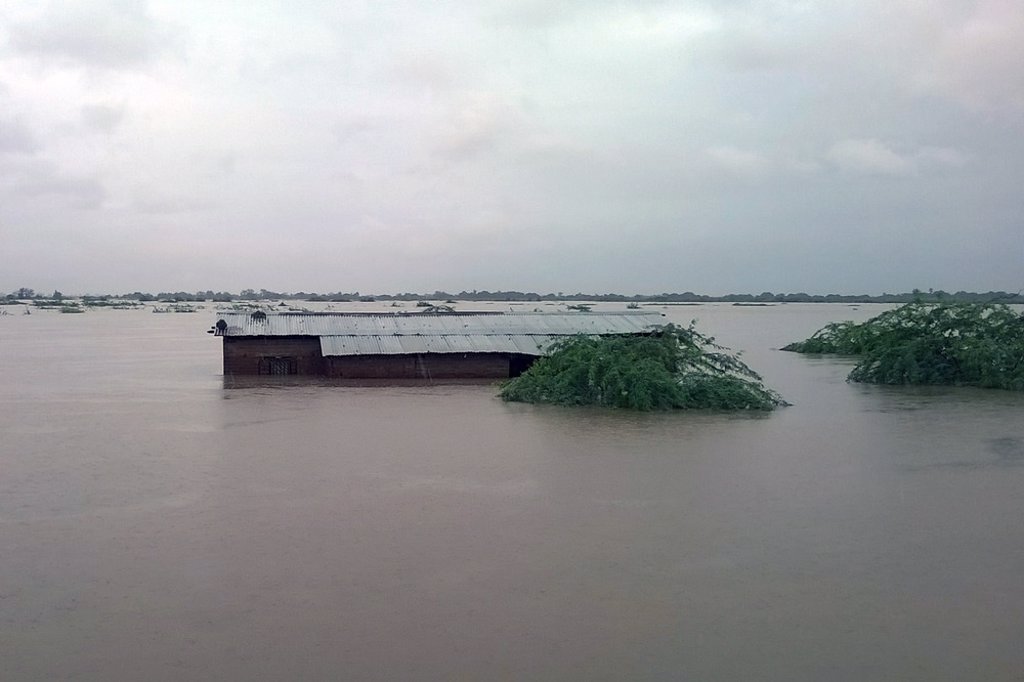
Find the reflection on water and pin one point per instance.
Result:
(160, 523)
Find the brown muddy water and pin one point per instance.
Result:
(156, 524)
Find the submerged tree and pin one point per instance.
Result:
(962, 344)
(675, 368)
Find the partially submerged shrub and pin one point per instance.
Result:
(842, 338)
(963, 344)
(676, 368)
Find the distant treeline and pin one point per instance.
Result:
(936, 296)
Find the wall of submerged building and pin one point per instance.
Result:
(272, 355)
(421, 366)
(301, 355)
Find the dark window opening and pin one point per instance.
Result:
(278, 366)
(519, 364)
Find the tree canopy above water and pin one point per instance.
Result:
(962, 344)
(677, 368)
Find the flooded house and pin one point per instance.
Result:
(406, 345)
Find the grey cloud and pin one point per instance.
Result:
(540, 14)
(477, 124)
(15, 137)
(754, 53)
(533, 13)
(112, 34)
(976, 60)
(735, 145)
(80, 191)
(872, 156)
(351, 127)
(225, 164)
(154, 202)
(946, 157)
(968, 53)
(869, 156)
(31, 180)
(739, 162)
(423, 70)
(102, 118)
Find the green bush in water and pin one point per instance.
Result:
(677, 368)
(963, 344)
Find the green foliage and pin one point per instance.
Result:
(962, 344)
(841, 338)
(678, 368)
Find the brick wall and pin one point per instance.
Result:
(243, 354)
(423, 366)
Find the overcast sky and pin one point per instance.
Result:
(550, 145)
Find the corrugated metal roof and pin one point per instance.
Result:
(446, 324)
(454, 343)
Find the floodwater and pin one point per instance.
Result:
(157, 523)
